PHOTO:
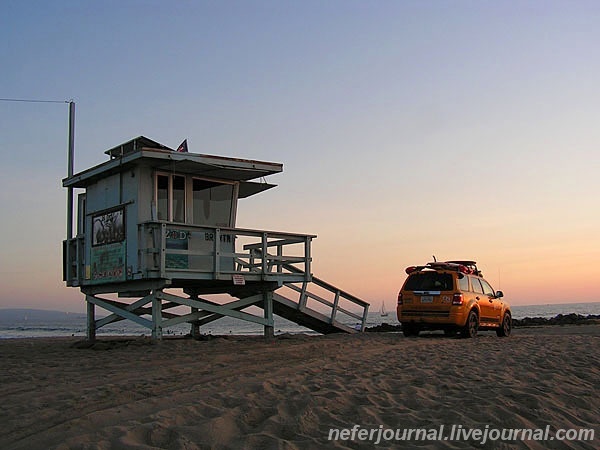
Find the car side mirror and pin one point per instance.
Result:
(499, 294)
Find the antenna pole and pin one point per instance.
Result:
(70, 170)
(68, 266)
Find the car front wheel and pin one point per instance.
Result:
(506, 327)
(472, 325)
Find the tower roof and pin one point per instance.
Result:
(143, 150)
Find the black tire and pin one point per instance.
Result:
(471, 326)
(410, 330)
(506, 326)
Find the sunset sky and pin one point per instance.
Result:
(460, 129)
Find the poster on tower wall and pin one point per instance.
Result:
(107, 263)
(108, 227)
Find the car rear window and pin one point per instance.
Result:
(429, 281)
(463, 283)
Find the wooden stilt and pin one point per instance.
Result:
(156, 318)
(195, 327)
(268, 309)
(91, 320)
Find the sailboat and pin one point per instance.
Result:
(382, 310)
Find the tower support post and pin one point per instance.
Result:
(194, 326)
(156, 318)
(91, 320)
(268, 310)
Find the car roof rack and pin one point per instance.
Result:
(463, 266)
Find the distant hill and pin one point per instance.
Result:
(36, 315)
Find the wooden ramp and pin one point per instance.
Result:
(308, 318)
(303, 298)
(320, 306)
(314, 304)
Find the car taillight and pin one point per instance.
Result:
(410, 270)
(457, 299)
(399, 298)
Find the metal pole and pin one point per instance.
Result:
(68, 263)
(70, 171)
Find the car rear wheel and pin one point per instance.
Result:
(506, 327)
(410, 330)
(472, 325)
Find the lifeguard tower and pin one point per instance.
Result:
(155, 230)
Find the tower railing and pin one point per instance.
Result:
(168, 250)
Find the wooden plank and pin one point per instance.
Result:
(212, 308)
(279, 242)
(132, 307)
(121, 312)
(237, 305)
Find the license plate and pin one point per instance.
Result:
(426, 299)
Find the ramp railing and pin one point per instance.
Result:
(333, 304)
(339, 306)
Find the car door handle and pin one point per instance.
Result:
(476, 298)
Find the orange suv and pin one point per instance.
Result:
(451, 296)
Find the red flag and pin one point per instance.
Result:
(183, 146)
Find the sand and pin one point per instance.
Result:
(241, 392)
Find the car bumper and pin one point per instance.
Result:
(450, 317)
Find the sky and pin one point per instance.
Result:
(407, 129)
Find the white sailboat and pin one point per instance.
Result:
(382, 310)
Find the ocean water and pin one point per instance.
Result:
(24, 323)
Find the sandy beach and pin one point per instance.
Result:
(244, 392)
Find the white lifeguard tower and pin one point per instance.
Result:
(155, 229)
